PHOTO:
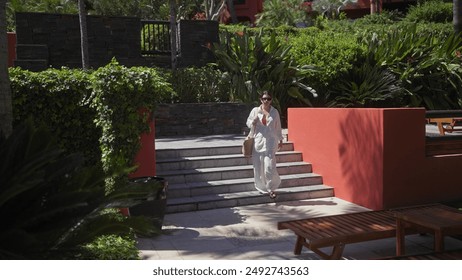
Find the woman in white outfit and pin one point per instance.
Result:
(266, 123)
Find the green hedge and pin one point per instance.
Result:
(58, 99)
(331, 51)
(430, 11)
(196, 85)
(123, 98)
(96, 113)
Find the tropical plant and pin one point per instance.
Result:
(254, 64)
(281, 12)
(51, 206)
(366, 86)
(330, 8)
(429, 66)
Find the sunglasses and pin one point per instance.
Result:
(267, 98)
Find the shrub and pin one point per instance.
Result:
(110, 247)
(383, 18)
(51, 205)
(430, 11)
(280, 13)
(331, 51)
(196, 85)
(124, 98)
(57, 98)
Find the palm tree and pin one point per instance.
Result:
(6, 107)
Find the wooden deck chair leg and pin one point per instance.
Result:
(299, 245)
(336, 254)
(337, 251)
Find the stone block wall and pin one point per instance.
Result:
(196, 38)
(108, 37)
(184, 119)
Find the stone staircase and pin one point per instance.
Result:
(209, 177)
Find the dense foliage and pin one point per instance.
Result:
(255, 63)
(124, 99)
(97, 113)
(388, 59)
(197, 84)
(52, 206)
(57, 98)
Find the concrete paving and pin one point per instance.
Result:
(250, 232)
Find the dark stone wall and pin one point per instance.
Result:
(183, 119)
(53, 40)
(196, 38)
(108, 37)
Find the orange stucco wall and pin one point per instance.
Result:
(374, 157)
(146, 156)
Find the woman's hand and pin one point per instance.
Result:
(280, 145)
(255, 121)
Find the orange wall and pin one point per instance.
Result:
(146, 157)
(374, 157)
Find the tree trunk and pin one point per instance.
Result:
(173, 34)
(232, 11)
(457, 14)
(213, 9)
(6, 106)
(83, 34)
(374, 7)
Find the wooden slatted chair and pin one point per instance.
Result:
(338, 230)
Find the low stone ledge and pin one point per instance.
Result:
(184, 119)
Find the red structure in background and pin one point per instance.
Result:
(11, 48)
(247, 9)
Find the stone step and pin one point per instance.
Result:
(224, 200)
(238, 185)
(210, 172)
(229, 172)
(218, 160)
(209, 150)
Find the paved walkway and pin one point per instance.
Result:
(250, 232)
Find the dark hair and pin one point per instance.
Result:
(265, 92)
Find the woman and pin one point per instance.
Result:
(264, 120)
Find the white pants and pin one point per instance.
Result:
(265, 173)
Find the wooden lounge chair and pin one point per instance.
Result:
(338, 230)
(446, 124)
